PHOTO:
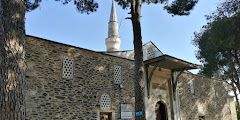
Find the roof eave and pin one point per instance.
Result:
(182, 65)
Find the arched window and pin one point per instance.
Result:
(200, 109)
(201, 112)
(105, 102)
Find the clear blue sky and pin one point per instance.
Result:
(172, 35)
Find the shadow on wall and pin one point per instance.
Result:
(203, 98)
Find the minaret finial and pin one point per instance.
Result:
(113, 41)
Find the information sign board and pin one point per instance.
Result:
(126, 111)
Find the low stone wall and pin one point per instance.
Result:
(49, 96)
(209, 98)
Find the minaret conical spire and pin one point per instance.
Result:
(113, 41)
(113, 15)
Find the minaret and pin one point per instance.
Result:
(113, 41)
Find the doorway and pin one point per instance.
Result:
(161, 111)
(105, 116)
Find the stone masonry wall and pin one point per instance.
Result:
(203, 102)
(49, 96)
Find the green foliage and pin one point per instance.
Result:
(219, 42)
(31, 5)
(177, 7)
(181, 7)
(83, 6)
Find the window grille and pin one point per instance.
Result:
(105, 102)
(117, 74)
(191, 87)
(150, 52)
(68, 67)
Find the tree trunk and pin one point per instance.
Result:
(138, 56)
(232, 66)
(235, 93)
(12, 60)
(237, 85)
(236, 56)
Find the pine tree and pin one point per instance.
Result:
(177, 7)
(12, 53)
(219, 45)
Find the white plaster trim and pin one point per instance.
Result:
(192, 87)
(213, 90)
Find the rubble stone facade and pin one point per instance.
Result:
(210, 99)
(50, 96)
(70, 83)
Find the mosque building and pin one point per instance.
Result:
(65, 82)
